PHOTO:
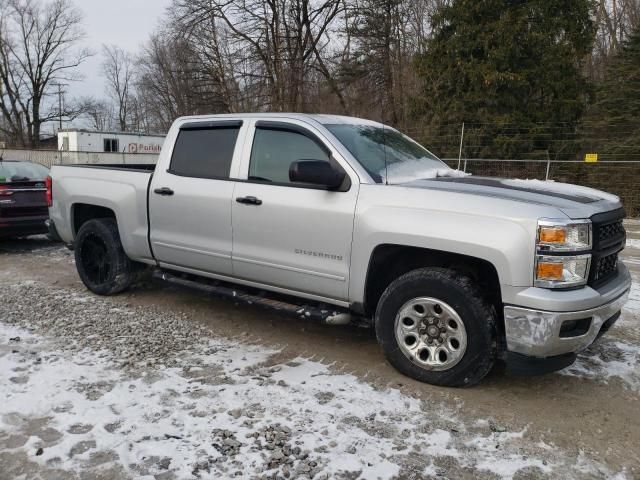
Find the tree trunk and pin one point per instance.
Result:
(34, 133)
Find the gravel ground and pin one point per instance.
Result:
(156, 385)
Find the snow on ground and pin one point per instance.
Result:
(609, 359)
(632, 225)
(40, 246)
(616, 354)
(633, 305)
(219, 408)
(633, 243)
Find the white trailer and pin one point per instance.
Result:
(79, 140)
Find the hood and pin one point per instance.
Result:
(573, 200)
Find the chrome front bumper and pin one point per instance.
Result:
(538, 333)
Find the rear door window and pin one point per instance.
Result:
(204, 152)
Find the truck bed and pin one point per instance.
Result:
(120, 190)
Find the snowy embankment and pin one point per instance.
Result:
(616, 355)
(92, 385)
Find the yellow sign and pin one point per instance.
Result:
(591, 157)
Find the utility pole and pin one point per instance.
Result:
(60, 92)
(60, 106)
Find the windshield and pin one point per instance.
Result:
(22, 171)
(406, 160)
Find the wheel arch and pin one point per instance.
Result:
(81, 213)
(390, 261)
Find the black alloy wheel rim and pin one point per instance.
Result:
(95, 259)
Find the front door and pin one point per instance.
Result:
(190, 203)
(290, 235)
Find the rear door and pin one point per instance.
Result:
(190, 202)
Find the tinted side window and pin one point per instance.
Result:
(204, 152)
(274, 150)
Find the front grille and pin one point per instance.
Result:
(605, 267)
(610, 232)
(609, 238)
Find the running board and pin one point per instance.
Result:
(327, 314)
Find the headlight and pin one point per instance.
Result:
(560, 236)
(562, 271)
(560, 262)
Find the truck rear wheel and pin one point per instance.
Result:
(436, 327)
(102, 264)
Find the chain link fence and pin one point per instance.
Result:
(538, 141)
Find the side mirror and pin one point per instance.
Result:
(316, 172)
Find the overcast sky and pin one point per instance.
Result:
(126, 23)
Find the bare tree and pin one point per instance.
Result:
(383, 37)
(37, 50)
(13, 86)
(615, 20)
(118, 71)
(169, 83)
(276, 44)
(99, 114)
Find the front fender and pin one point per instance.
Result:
(507, 244)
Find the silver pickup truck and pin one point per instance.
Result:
(339, 217)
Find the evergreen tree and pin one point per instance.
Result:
(612, 126)
(511, 70)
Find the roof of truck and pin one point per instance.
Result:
(325, 119)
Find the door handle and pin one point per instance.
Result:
(249, 200)
(164, 191)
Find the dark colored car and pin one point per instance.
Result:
(23, 199)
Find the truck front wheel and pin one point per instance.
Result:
(102, 264)
(436, 327)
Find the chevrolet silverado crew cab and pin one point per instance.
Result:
(335, 218)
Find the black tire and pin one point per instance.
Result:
(459, 292)
(100, 259)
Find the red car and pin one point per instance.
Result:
(23, 199)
